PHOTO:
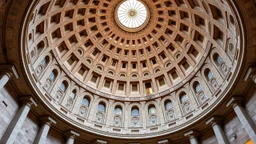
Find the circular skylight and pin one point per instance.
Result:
(132, 13)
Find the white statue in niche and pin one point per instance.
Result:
(135, 122)
(202, 97)
(100, 117)
(32, 55)
(83, 111)
(170, 115)
(69, 103)
(214, 84)
(224, 68)
(117, 121)
(153, 120)
(59, 95)
(48, 84)
(231, 50)
(187, 107)
(39, 70)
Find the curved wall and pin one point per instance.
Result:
(231, 124)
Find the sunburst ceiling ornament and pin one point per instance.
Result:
(132, 13)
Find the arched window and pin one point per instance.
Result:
(40, 46)
(63, 86)
(217, 59)
(208, 74)
(73, 94)
(197, 87)
(135, 111)
(85, 101)
(83, 111)
(101, 107)
(45, 61)
(118, 115)
(183, 97)
(152, 117)
(168, 105)
(53, 75)
(135, 117)
(118, 110)
(152, 110)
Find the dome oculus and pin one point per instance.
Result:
(132, 14)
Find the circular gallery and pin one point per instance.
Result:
(128, 71)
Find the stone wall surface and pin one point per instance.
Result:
(54, 138)
(234, 130)
(208, 138)
(28, 131)
(251, 103)
(8, 107)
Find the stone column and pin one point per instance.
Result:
(192, 136)
(109, 114)
(18, 120)
(166, 141)
(143, 115)
(127, 114)
(253, 77)
(160, 113)
(93, 109)
(70, 135)
(98, 141)
(6, 72)
(219, 133)
(5, 76)
(250, 74)
(43, 132)
(243, 116)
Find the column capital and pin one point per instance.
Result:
(127, 103)
(28, 100)
(10, 69)
(214, 120)
(191, 133)
(158, 100)
(165, 141)
(96, 97)
(98, 141)
(47, 120)
(250, 73)
(234, 101)
(6, 72)
(143, 103)
(71, 134)
(111, 101)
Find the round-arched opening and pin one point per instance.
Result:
(132, 15)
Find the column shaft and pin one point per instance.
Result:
(193, 140)
(70, 140)
(4, 78)
(246, 121)
(220, 135)
(253, 77)
(42, 134)
(15, 125)
(70, 136)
